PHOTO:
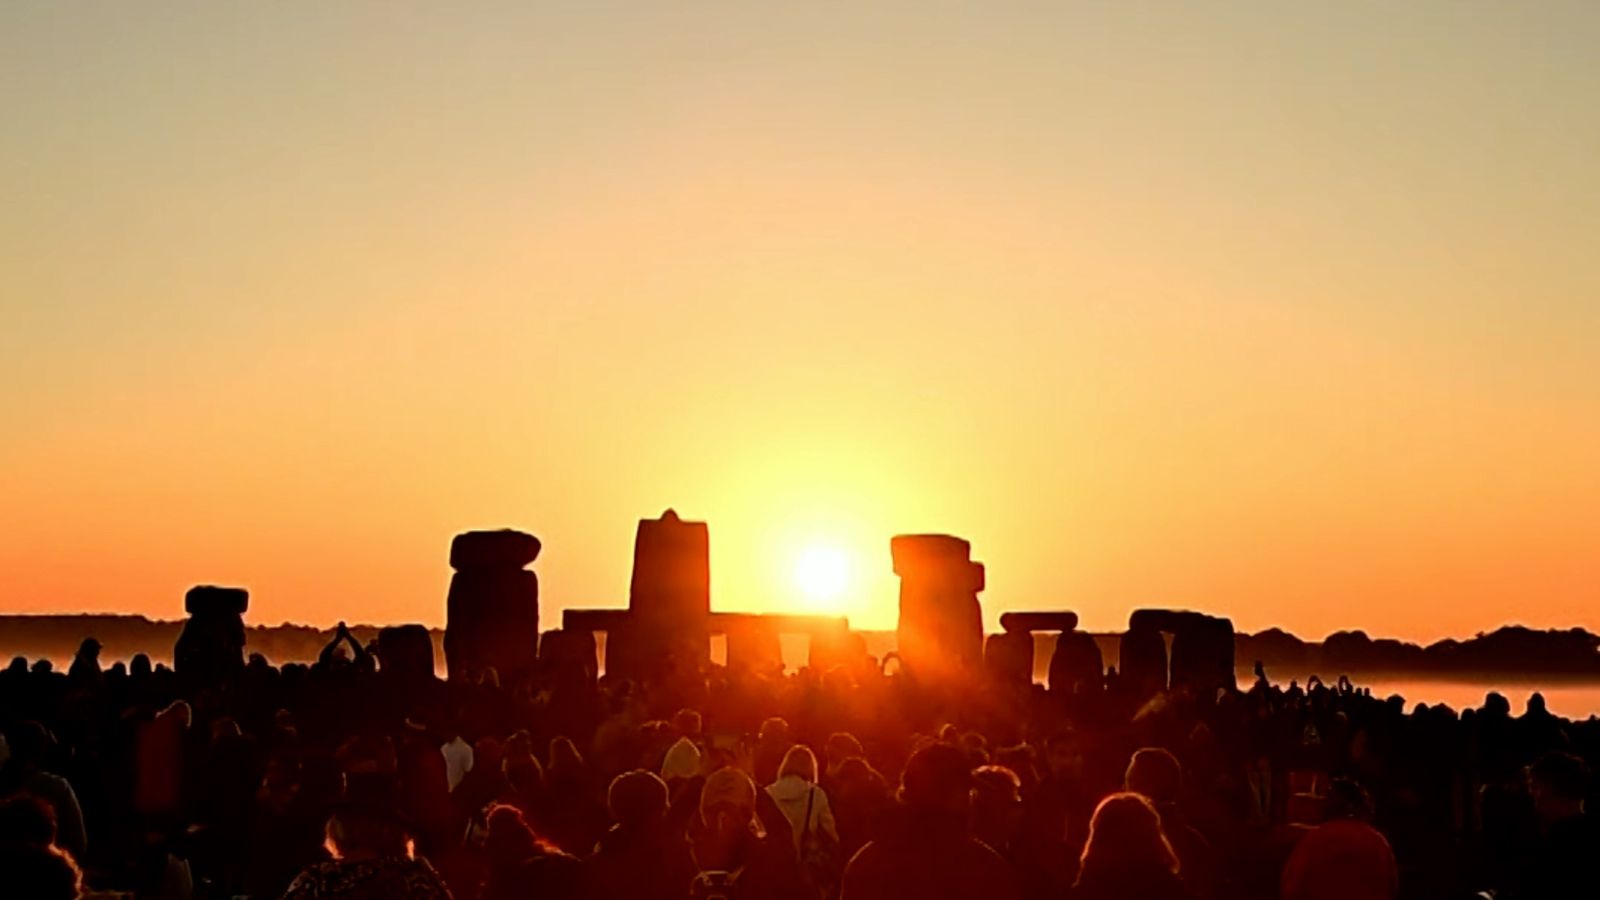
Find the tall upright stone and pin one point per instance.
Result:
(940, 634)
(405, 654)
(1076, 667)
(493, 607)
(211, 645)
(1143, 661)
(1202, 647)
(669, 598)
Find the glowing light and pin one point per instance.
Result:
(822, 574)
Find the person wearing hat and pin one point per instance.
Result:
(926, 850)
(371, 844)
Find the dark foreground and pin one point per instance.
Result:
(340, 780)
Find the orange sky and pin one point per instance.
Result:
(1289, 314)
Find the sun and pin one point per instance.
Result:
(822, 574)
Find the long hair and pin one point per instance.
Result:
(1125, 834)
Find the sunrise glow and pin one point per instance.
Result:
(822, 574)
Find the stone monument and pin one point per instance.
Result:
(1202, 647)
(211, 646)
(669, 598)
(940, 634)
(405, 653)
(492, 614)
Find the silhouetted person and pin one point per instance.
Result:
(522, 864)
(38, 873)
(861, 798)
(372, 852)
(805, 805)
(925, 850)
(730, 853)
(85, 668)
(1344, 858)
(1566, 858)
(641, 857)
(25, 773)
(1157, 775)
(1127, 857)
(773, 740)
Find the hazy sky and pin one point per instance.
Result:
(1289, 311)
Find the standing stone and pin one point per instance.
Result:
(1202, 647)
(1202, 655)
(1143, 662)
(753, 646)
(940, 635)
(492, 613)
(1076, 667)
(405, 653)
(670, 596)
(211, 646)
(1008, 658)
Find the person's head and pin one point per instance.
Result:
(509, 838)
(681, 761)
(727, 802)
(936, 779)
(1125, 834)
(29, 743)
(1156, 774)
(564, 755)
(1558, 782)
(1495, 704)
(39, 873)
(687, 723)
(637, 799)
(524, 773)
(355, 832)
(27, 820)
(799, 761)
(89, 650)
(856, 772)
(179, 712)
(841, 746)
(773, 731)
(1062, 758)
(1347, 799)
(1021, 760)
(996, 801)
(1536, 706)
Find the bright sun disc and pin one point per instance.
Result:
(822, 573)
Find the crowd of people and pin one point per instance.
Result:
(335, 779)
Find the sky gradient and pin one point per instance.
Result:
(1289, 312)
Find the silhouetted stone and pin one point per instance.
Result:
(405, 652)
(1143, 661)
(1202, 646)
(1058, 620)
(753, 645)
(211, 646)
(493, 606)
(940, 634)
(502, 549)
(570, 656)
(669, 596)
(1076, 667)
(1008, 658)
(837, 647)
